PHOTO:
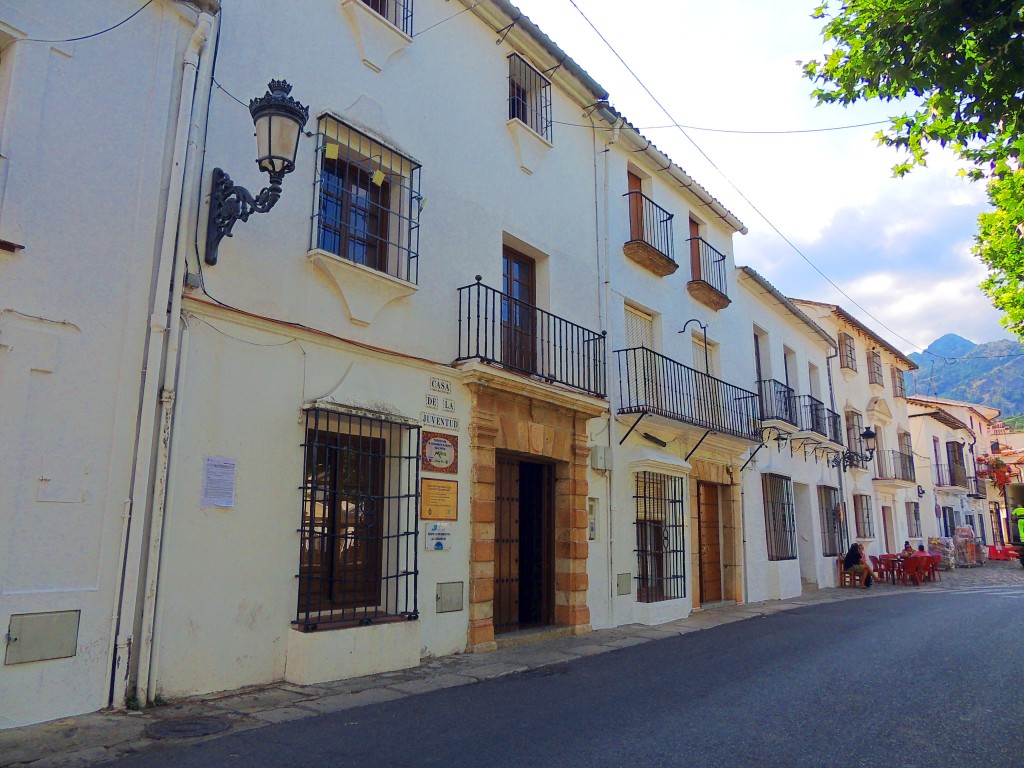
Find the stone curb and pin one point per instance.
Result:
(108, 735)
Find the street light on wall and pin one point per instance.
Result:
(279, 120)
(853, 457)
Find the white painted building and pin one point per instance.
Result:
(870, 391)
(949, 434)
(90, 170)
(793, 486)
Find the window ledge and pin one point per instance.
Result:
(378, 39)
(530, 146)
(364, 291)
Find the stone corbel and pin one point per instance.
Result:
(365, 291)
(377, 38)
(530, 146)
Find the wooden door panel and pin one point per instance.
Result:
(710, 542)
(506, 547)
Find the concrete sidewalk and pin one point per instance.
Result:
(110, 734)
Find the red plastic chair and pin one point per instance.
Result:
(933, 567)
(914, 570)
(891, 568)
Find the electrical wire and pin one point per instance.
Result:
(746, 199)
(86, 37)
(730, 130)
(449, 18)
(229, 93)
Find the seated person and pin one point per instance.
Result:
(855, 562)
(908, 551)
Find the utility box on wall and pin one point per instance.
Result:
(42, 636)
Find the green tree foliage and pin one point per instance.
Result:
(957, 63)
(956, 69)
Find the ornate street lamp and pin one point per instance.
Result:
(279, 120)
(853, 457)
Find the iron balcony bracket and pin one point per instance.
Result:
(230, 203)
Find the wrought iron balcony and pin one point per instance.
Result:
(496, 328)
(813, 416)
(707, 274)
(658, 385)
(650, 241)
(893, 465)
(951, 475)
(976, 487)
(776, 401)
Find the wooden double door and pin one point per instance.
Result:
(523, 544)
(709, 498)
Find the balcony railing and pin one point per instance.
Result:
(976, 487)
(893, 465)
(776, 401)
(655, 384)
(813, 416)
(707, 264)
(496, 328)
(951, 475)
(650, 223)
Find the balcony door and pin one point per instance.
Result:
(642, 387)
(636, 206)
(518, 312)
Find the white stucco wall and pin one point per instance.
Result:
(84, 157)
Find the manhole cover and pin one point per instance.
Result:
(187, 728)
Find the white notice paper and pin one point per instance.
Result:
(218, 482)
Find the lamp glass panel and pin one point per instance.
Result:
(284, 138)
(262, 140)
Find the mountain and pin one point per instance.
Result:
(990, 374)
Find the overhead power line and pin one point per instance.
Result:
(769, 222)
(86, 37)
(736, 130)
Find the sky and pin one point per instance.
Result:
(900, 248)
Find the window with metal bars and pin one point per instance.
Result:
(360, 507)
(854, 430)
(830, 513)
(368, 201)
(862, 516)
(875, 368)
(398, 12)
(529, 96)
(847, 352)
(913, 519)
(779, 516)
(660, 546)
(996, 521)
(899, 383)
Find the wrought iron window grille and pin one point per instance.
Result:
(833, 538)
(875, 368)
(529, 97)
(779, 516)
(368, 201)
(398, 12)
(847, 352)
(660, 542)
(358, 556)
(913, 519)
(862, 516)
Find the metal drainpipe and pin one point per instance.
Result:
(134, 558)
(203, 68)
(601, 242)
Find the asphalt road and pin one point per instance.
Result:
(908, 680)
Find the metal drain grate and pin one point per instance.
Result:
(186, 728)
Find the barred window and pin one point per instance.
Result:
(875, 367)
(913, 519)
(660, 547)
(847, 352)
(779, 517)
(368, 202)
(831, 517)
(360, 506)
(899, 383)
(996, 521)
(398, 12)
(529, 96)
(862, 516)
(854, 430)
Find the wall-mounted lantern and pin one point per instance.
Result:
(852, 457)
(279, 120)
